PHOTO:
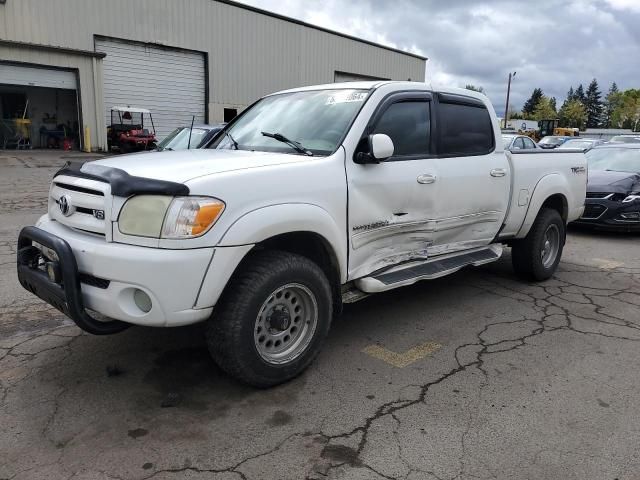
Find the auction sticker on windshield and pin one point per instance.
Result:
(346, 96)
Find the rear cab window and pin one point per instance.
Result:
(464, 127)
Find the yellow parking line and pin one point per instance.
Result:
(402, 360)
(607, 264)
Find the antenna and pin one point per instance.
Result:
(193, 119)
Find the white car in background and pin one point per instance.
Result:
(581, 144)
(518, 142)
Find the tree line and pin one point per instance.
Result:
(583, 108)
(587, 108)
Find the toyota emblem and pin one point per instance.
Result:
(65, 208)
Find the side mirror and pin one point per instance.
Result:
(380, 148)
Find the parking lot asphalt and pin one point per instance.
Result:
(476, 375)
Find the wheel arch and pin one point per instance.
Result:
(552, 191)
(300, 228)
(276, 223)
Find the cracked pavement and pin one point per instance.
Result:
(531, 380)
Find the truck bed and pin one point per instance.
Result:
(561, 173)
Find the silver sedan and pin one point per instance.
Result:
(518, 142)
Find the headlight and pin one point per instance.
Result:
(191, 216)
(631, 198)
(142, 215)
(159, 216)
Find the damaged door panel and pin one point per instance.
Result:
(390, 213)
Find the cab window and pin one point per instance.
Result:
(407, 124)
(465, 129)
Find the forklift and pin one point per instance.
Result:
(550, 127)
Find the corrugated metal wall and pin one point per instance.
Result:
(171, 83)
(249, 54)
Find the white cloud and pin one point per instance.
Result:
(633, 5)
(552, 46)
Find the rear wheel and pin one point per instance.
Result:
(272, 319)
(536, 257)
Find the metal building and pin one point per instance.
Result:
(65, 63)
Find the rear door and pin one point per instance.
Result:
(473, 182)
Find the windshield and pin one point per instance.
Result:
(552, 140)
(616, 159)
(317, 120)
(179, 139)
(581, 144)
(506, 141)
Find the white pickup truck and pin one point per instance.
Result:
(310, 198)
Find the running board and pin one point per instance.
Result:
(427, 270)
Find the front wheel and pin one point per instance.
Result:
(272, 319)
(536, 257)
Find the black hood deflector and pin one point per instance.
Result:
(122, 184)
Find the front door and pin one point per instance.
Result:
(391, 203)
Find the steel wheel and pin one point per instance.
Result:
(550, 246)
(285, 324)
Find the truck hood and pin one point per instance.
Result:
(613, 182)
(184, 165)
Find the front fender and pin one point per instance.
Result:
(552, 184)
(267, 222)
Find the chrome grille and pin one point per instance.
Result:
(80, 203)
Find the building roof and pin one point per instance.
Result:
(316, 27)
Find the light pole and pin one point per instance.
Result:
(506, 108)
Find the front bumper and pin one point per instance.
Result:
(610, 215)
(103, 277)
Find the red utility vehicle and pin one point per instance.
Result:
(127, 132)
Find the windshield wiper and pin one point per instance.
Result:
(233, 141)
(297, 146)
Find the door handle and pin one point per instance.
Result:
(426, 178)
(498, 172)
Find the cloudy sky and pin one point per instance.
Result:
(551, 44)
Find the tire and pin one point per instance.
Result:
(532, 257)
(125, 147)
(253, 311)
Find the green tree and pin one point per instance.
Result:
(593, 104)
(531, 104)
(515, 114)
(579, 94)
(553, 102)
(474, 88)
(573, 114)
(627, 112)
(570, 94)
(544, 109)
(611, 102)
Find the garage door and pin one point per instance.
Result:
(170, 83)
(354, 77)
(37, 77)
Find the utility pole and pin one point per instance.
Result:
(506, 108)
